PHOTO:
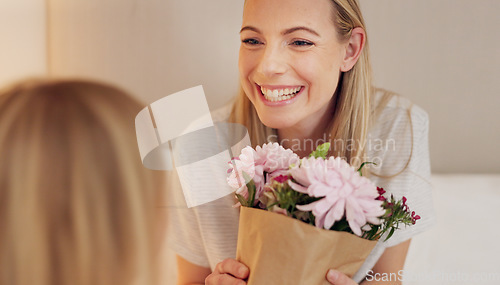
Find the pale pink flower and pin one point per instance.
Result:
(243, 163)
(261, 165)
(344, 192)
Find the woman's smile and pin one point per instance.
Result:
(279, 95)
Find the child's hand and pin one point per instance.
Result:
(338, 278)
(228, 272)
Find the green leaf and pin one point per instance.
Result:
(247, 177)
(251, 189)
(242, 200)
(363, 164)
(373, 233)
(390, 234)
(321, 151)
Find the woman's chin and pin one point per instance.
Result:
(276, 123)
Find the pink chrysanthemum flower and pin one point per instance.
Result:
(262, 164)
(344, 192)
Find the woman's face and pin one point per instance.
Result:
(290, 60)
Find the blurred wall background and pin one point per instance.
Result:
(151, 47)
(23, 39)
(443, 55)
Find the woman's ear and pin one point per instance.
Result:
(354, 47)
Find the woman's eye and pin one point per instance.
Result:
(251, 41)
(302, 43)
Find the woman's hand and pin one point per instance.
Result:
(338, 278)
(228, 272)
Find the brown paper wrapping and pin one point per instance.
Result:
(282, 250)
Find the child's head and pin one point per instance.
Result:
(76, 204)
(304, 67)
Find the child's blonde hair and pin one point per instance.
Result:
(76, 204)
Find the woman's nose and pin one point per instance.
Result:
(272, 61)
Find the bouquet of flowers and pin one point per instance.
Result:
(321, 214)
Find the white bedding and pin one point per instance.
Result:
(464, 245)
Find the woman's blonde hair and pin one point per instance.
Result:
(76, 204)
(352, 109)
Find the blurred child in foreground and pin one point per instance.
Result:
(76, 204)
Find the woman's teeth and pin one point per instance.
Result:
(276, 95)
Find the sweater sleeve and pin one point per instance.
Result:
(203, 235)
(405, 165)
(183, 231)
(206, 234)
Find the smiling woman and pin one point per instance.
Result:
(305, 76)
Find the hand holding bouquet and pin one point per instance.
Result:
(348, 211)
